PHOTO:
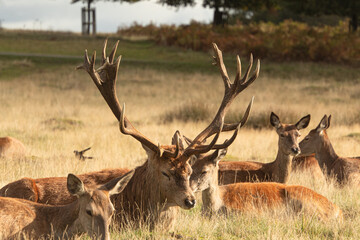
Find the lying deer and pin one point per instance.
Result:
(161, 184)
(247, 197)
(53, 190)
(90, 213)
(11, 148)
(345, 170)
(307, 164)
(276, 171)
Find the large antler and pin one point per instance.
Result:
(231, 91)
(105, 80)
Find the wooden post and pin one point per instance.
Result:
(88, 21)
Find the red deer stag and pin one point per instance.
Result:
(250, 197)
(276, 171)
(53, 190)
(90, 213)
(345, 170)
(11, 148)
(161, 184)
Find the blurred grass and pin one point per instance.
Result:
(145, 54)
(54, 109)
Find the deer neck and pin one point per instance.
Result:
(211, 197)
(326, 154)
(281, 167)
(64, 220)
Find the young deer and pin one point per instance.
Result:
(246, 197)
(161, 184)
(276, 171)
(346, 170)
(53, 190)
(11, 148)
(91, 213)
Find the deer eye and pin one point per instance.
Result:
(204, 172)
(166, 175)
(88, 212)
(306, 138)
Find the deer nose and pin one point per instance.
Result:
(295, 150)
(190, 203)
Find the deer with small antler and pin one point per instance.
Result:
(255, 197)
(345, 169)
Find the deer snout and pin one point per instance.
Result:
(190, 203)
(296, 150)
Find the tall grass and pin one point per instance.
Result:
(57, 111)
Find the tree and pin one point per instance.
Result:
(223, 7)
(345, 8)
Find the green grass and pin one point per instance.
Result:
(146, 54)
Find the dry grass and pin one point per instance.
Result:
(54, 113)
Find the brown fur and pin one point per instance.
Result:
(90, 213)
(308, 164)
(11, 148)
(247, 197)
(53, 190)
(345, 170)
(276, 171)
(153, 198)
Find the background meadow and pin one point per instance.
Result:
(54, 109)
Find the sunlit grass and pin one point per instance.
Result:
(55, 111)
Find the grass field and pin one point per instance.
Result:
(54, 110)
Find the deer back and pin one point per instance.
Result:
(11, 148)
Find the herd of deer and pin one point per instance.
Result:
(153, 192)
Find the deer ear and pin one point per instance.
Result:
(117, 185)
(274, 120)
(75, 185)
(192, 160)
(150, 153)
(329, 119)
(303, 122)
(178, 136)
(218, 155)
(323, 124)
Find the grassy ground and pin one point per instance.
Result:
(54, 109)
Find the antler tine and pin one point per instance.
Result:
(130, 130)
(105, 79)
(233, 126)
(230, 127)
(220, 63)
(231, 91)
(227, 142)
(103, 59)
(113, 52)
(203, 148)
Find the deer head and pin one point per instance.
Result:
(95, 206)
(289, 134)
(169, 164)
(205, 170)
(316, 137)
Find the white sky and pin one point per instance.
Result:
(63, 16)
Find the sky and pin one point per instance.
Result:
(60, 15)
